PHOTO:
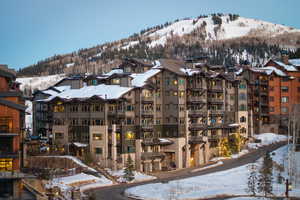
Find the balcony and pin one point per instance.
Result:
(147, 127)
(197, 139)
(197, 113)
(152, 155)
(214, 137)
(264, 82)
(197, 127)
(147, 100)
(7, 132)
(196, 100)
(13, 175)
(8, 154)
(216, 112)
(263, 93)
(216, 88)
(215, 101)
(116, 113)
(147, 113)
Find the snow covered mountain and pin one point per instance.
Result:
(215, 28)
(227, 38)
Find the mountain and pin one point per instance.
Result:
(227, 39)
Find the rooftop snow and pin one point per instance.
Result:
(188, 71)
(139, 80)
(63, 88)
(290, 68)
(103, 91)
(239, 71)
(295, 62)
(271, 69)
(114, 71)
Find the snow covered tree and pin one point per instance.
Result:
(265, 178)
(128, 171)
(252, 179)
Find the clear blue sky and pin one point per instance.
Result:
(32, 30)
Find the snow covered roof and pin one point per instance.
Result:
(270, 69)
(63, 88)
(239, 71)
(78, 144)
(114, 71)
(189, 72)
(139, 80)
(102, 91)
(50, 92)
(290, 68)
(295, 62)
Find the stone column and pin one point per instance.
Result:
(138, 155)
(113, 146)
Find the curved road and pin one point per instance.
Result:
(116, 192)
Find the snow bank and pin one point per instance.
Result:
(267, 139)
(82, 181)
(138, 176)
(228, 182)
(207, 167)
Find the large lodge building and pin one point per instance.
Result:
(166, 114)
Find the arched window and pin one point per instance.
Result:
(243, 119)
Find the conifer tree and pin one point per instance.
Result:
(128, 171)
(265, 177)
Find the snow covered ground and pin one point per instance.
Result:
(229, 182)
(138, 176)
(267, 139)
(82, 181)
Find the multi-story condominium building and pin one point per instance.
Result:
(164, 115)
(284, 90)
(12, 112)
(42, 119)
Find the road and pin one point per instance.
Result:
(116, 192)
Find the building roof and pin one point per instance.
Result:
(295, 62)
(289, 68)
(6, 72)
(12, 104)
(171, 65)
(102, 91)
(139, 80)
(270, 69)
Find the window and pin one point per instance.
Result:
(242, 86)
(167, 81)
(157, 107)
(181, 82)
(242, 107)
(271, 98)
(6, 164)
(272, 109)
(298, 89)
(175, 82)
(98, 150)
(284, 109)
(129, 135)
(175, 93)
(94, 82)
(284, 88)
(243, 119)
(284, 99)
(59, 135)
(285, 79)
(97, 136)
(181, 93)
(116, 81)
(242, 96)
(243, 130)
(271, 88)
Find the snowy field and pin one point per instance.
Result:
(220, 183)
(82, 181)
(267, 139)
(138, 176)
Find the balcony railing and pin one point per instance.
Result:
(152, 155)
(197, 139)
(8, 154)
(216, 88)
(193, 99)
(147, 99)
(9, 131)
(12, 174)
(147, 127)
(216, 112)
(197, 113)
(147, 112)
(215, 100)
(197, 126)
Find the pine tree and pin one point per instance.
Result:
(128, 171)
(252, 180)
(266, 176)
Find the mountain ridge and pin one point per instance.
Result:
(180, 39)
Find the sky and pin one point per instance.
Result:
(32, 30)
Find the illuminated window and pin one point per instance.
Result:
(97, 136)
(181, 93)
(116, 81)
(59, 135)
(175, 82)
(130, 135)
(6, 164)
(118, 136)
(284, 99)
(175, 93)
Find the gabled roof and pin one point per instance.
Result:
(6, 72)
(12, 105)
(172, 65)
(139, 80)
(289, 68)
